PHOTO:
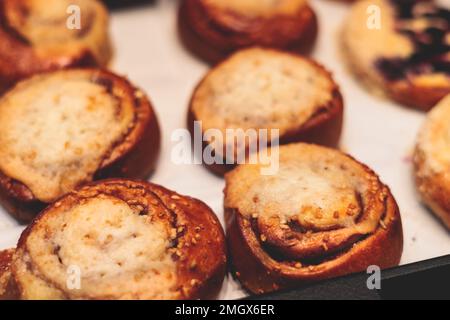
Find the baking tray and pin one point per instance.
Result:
(376, 131)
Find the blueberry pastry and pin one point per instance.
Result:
(401, 48)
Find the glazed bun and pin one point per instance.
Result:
(213, 29)
(35, 37)
(407, 55)
(321, 215)
(124, 240)
(62, 129)
(264, 89)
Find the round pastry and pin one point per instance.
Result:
(432, 161)
(265, 90)
(321, 215)
(213, 29)
(401, 47)
(120, 239)
(62, 129)
(37, 36)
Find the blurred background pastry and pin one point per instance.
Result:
(38, 36)
(401, 49)
(213, 29)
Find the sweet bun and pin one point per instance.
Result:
(35, 37)
(121, 239)
(432, 161)
(321, 215)
(61, 129)
(266, 89)
(212, 29)
(406, 56)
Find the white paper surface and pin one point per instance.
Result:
(379, 133)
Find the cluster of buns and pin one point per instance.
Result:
(75, 139)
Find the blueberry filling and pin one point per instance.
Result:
(430, 44)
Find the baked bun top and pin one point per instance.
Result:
(409, 44)
(58, 129)
(125, 240)
(434, 140)
(258, 8)
(318, 187)
(320, 201)
(262, 89)
(43, 26)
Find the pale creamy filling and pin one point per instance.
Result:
(311, 199)
(261, 89)
(56, 129)
(118, 253)
(319, 203)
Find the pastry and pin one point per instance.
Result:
(61, 129)
(432, 161)
(38, 36)
(120, 239)
(264, 89)
(212, 29)
(321, 215)
(401, 48)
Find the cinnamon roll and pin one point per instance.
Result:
(120, 239)
(62, 129)
(260, 90)
(38, 36)
(401, 48)
(212, 29)
(321, 215)
(432, 161)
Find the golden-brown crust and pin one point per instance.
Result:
(19, 58)
(213, 33)
(199, 252)
(263, 269)
(135, 156)
(431, 161)
(421, 97)
(434, 189)
(7, 290)
(324, 127)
